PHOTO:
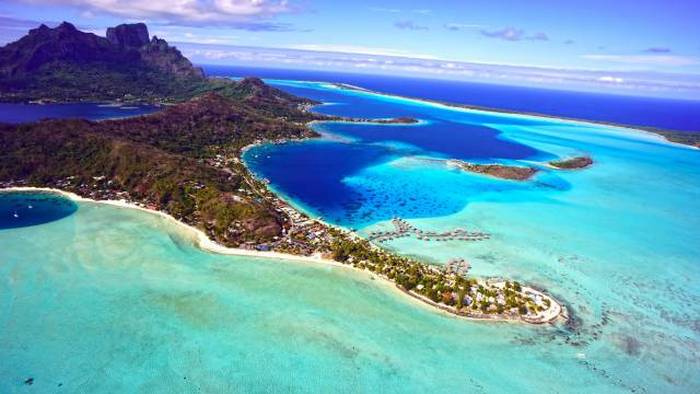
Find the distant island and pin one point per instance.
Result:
(516, 173)
(185, 161)
(572, 163)
(404, 120)
(689, 138)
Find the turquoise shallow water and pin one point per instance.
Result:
(111, 300)
(615, 241)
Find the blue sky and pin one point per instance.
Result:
(617, 41)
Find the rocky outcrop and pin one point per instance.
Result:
(157, 53)
(63, 44)
(133, 35)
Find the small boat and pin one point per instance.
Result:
(29, 206)
(15, 215)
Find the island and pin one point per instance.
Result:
(400, 120)
(502, 171)
(572, 163)
(689, 138)
(185, 162)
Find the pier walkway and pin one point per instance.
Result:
(404, 229)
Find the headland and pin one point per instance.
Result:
(475, 299)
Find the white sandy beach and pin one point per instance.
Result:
(202, 241)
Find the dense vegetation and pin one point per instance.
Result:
(182, 160)
(212, 123)
(98, 82)
(185, 160)
(689, 138)
(461, 295)
(165, 160)
(498, 170)
(572, 163)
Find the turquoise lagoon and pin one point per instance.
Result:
(110, 299)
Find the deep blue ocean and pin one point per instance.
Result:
(681, 115)
(23, 209)
(320, 174)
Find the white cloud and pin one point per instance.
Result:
(360, 50)
(382, 9)
(611, 79)
(394, 62)
(507, 34)
(181, 11)
(421, 11)
(409, 25)
(461, 26)
(539, 37)
(659, 60)
(249, 7)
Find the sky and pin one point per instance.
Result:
(634, 45)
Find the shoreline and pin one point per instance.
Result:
(556, 312)
(541, 308)
(203, 242)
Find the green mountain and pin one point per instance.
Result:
(65, 64)
(184, 160)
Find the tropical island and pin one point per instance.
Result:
(520, 173)
(405, 120)
(572, 163)
(502, 171)
(692, 138)
(185, 161)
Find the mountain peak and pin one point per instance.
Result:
(252, 81)
(65, 26)
(134, 35)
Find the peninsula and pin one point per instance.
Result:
(185, 161)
